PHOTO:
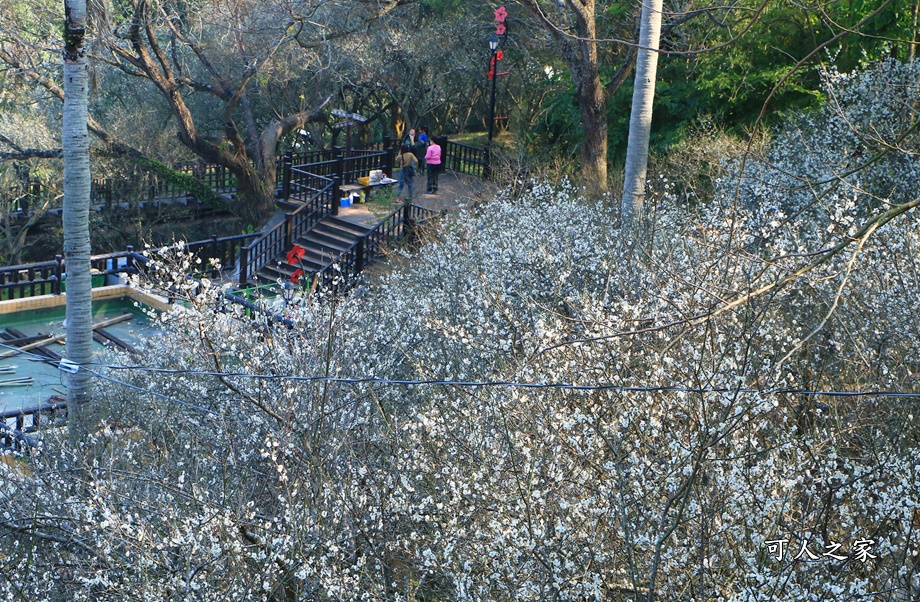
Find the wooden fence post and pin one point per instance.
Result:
(56, 288)
(388, 157)
(359, 255)
(244, 265)
(340, 168)
(336, 192)
(288, 230)
(408, 223)
(286, 175)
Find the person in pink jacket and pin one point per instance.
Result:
(433, 159)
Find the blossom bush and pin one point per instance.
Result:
(380, 449)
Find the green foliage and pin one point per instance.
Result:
(730, 85)
(558, 129)
(193, 185)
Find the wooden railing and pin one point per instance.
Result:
(341, 275)
(21, 281)
(17, 424)
(322, 203)
(277, 240)
(348, 167)
(224, 250)
(467, 159)
(314, 185)
(146, 187)
(310, 159)
(50, 277)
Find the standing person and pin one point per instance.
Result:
(433, 159)
(406, 161)
(417, 147)
(424, 141)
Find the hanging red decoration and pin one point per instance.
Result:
(501, 14)
(295, 255)
(499, 55)
(500, 29)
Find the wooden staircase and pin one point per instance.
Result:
(323, 245)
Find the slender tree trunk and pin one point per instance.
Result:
(640, 120)
(913, 32)
(75, 143)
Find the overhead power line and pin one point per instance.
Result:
(588, 387)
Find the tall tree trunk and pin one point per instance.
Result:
(592, 100)
(640, 120)
(75, 143)
(580, 55)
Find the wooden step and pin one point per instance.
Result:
(341, 224)
(287, 205)
(333, 230)
(325, 240)
(313, 262)
(320, 255)
(272, 274)
(310, 263)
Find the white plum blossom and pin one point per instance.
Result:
(256, 474)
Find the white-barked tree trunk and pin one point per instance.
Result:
(640, 120)
(75, 144)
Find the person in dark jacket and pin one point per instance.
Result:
(418, 147)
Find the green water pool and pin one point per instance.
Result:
(48, 381)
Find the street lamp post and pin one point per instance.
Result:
(496, 41)
(494, 44)
(287, 293)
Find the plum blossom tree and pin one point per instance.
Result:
(656, 448)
